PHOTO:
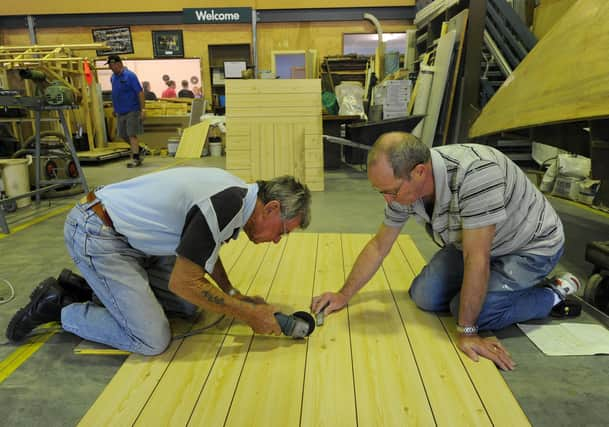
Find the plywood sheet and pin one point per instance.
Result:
(564, 78)
(192, 141)
(380, 361)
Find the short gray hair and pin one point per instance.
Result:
(293, 196)
(403, 150)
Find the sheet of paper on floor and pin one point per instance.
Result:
(568, 339)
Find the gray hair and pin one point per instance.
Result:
(294, 197)
(403, 151)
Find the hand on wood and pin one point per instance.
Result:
(262, 320)
(474, 345)
(329, 302)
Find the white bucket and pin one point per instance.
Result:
(172, 146)
(215, 149)
(16, 178)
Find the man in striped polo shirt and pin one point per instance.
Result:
(500, 237)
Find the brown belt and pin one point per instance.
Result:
(97, 208)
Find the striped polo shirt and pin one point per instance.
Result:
(476, 186)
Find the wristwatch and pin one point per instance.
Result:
(467, 330)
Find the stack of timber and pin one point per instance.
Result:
(274, 128)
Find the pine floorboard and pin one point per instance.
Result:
(379, 362)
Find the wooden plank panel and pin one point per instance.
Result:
(275, 366)
(275, 100)
(238, 159)
(564, 77)
(222, 382)
(262, 86)
(500, 403)
(237, 127)
(388, 387)
(178, 390)
(237, 142)
(131, 387)
(283, 149)
(329, 398)
(502, 407)
(264, 112)
(266, 156)
(452, 396)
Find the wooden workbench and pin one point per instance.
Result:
(380, 362)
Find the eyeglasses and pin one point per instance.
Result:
(392, 193)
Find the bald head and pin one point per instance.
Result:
(403, 151)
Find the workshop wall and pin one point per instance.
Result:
(326, 37)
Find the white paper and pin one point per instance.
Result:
(568, 339)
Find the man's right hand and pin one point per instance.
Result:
(332, 301)
(262, 320)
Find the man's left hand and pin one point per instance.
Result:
(474, 345)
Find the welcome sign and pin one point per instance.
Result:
(225, 15)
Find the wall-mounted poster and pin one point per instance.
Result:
(168, 44)
(118, 40)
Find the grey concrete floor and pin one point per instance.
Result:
(55, 387)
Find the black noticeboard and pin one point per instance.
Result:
(168, 44)
(118, 40)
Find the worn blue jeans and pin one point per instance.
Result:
(132, 286)
(512, 296)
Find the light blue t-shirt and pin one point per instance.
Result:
(196, 209)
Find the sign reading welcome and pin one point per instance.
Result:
(230, 15)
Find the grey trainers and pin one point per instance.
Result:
(565, 284)
(134, 163)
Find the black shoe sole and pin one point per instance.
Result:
(18, 318)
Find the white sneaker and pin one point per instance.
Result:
(565, 284)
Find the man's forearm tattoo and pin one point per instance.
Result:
(212, 298)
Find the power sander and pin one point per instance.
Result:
(296, 325)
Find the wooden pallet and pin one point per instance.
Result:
(380, 362)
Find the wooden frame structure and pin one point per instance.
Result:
(59, 62)
(379, 362)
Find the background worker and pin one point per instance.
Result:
(145, 246)
(149, 95)
(170, 92)
(500, 237)
(129, 106)
(185, 92)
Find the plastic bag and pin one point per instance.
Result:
(350, 97)
(573, 165)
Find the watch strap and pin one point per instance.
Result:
(467, 330)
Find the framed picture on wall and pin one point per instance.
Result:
(168, 44)
(118, 40)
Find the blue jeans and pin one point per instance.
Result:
(132, 286)
(512, 296)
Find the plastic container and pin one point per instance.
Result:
(215, 149)
(172, 146)
(16, 178)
